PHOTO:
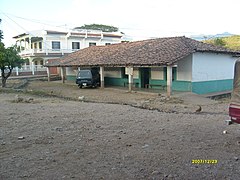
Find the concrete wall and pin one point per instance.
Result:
(212, 72)
(211, 66)
(184, 69)
(47, 44)
(157, 73)
(71, 71)
(112, 72)
(66, 43)
(135, 72)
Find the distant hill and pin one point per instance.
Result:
(231, 42)
(202, 37)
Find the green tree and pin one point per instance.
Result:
(9, 59)
(219, 42)
(104, 28)
(1, 33)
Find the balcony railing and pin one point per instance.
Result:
(33, 52)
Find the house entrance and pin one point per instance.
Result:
(145, 75)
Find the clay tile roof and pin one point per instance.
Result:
(161, 51)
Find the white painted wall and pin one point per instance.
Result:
(135, 72)
(114, 72)
(212, 66)
(71, 71)
(184, 69)
(66, 42)
(157, 73)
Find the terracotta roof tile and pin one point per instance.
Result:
(161, 51)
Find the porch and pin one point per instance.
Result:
(148, 79)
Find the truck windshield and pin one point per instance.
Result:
(85, 74)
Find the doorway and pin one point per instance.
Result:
(145, 76)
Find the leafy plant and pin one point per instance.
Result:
(9, 59)
(104, 28)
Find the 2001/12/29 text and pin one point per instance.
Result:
(204, 161)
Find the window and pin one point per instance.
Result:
(75, 45)
(107, 44)
(174, 73)
(35, 45)
(92, 44)
(55, 45)
(40, 45)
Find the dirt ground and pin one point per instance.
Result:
(144, 136)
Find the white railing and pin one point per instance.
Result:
(46, 51)
(28, 68)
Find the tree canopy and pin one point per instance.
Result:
(1, 33)
(219, 42)
(104, 28)
(231, 42)
(9, 59)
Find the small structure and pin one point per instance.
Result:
(174, 63)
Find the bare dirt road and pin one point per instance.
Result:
(52, 138)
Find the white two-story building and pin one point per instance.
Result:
(42, 45)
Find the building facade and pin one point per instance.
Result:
(42, 45)
(174, 63)
(199, 72)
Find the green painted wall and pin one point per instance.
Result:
(155, 81)
(176, 85)
(182, 86)
(206, 87)
(71, 78)
(117, 81)
(114, 81)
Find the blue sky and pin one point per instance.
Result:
(139, 18)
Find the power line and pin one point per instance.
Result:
(30, 20)
(43, 22)
(24, 29)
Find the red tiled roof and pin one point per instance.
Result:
(161, 51)
(112, 35)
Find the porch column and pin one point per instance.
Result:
(30, 44)
(48, 74)
(169, 81)
(63, 74)
(20, 45)
(25, 66)
(17, 71)
(25, 44)
(33, 68)
(102, 76)
(130, 78)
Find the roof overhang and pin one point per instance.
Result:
(20, 35)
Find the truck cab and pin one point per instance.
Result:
(234, 107)
(88, 78)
